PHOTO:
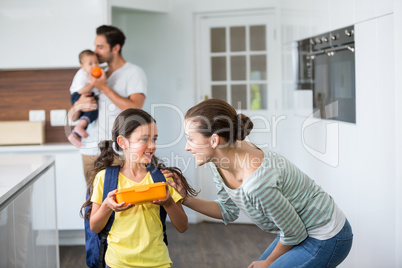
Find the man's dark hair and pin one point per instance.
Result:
(113, 35)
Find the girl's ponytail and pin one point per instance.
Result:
(156, 162)
(104, 160)
(106, 157)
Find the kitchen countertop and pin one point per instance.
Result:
(18, 171)
(38, 148)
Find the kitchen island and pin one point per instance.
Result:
(28, 218)
(70, 186)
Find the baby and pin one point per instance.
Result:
(79, 86)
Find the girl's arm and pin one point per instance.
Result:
(177, 215)
(100, 213)
(175, 211)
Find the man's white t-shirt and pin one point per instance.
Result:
(127, 80)
(79, 81)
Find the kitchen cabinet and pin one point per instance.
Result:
(70, 186)
(28, 224)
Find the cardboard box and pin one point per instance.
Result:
(22, 133)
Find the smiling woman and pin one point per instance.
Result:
(274, 193)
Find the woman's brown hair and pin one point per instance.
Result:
(215, 116)
(125, 124)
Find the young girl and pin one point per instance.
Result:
(136, 236)
(276, 195)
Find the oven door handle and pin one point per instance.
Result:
(331, 51)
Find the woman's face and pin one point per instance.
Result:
(197, 144)
(140, 146)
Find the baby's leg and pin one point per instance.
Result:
(75, 139)
(80, 128)
(78, 132)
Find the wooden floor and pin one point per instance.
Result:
(203, 245)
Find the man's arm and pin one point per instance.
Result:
(85, 103)
(135, 100)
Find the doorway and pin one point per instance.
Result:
(238, 60)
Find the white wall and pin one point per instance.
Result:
(163, 45)
(46, 33)
(398, 131)
(364, 180)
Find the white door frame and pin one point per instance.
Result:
(203, 175)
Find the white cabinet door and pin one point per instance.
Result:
(70, 183)
(71, 189)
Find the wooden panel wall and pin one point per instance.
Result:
(42, 89)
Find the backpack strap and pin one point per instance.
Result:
(157, 176)
(109, 184)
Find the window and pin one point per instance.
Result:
(234, 60)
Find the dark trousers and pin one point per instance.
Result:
(92, 115)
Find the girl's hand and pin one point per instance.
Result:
(167, 199)
(110, 202)
(176, 183)
(259, 264)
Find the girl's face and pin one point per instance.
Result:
(197, 144)
(140, 146)
(89, 62)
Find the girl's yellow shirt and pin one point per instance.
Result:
(136, 236)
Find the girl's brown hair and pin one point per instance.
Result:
(125, 124)
(215, 116)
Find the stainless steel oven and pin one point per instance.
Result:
(326, 65)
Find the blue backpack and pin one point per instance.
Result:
(96, 244)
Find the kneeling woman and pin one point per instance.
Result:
(275, 194)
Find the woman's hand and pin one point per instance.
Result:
(110, 202)
(259, 264)
(176, 183)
